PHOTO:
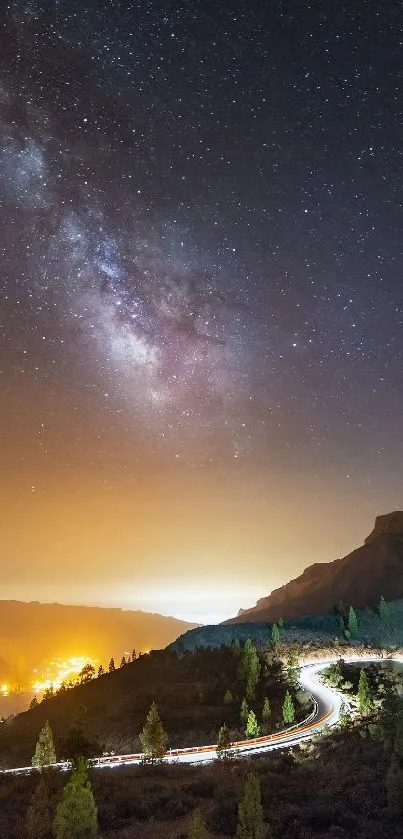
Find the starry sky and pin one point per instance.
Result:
(201, 343)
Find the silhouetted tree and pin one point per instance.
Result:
(33, 703)
(76, 812)
(123, 662)
(111, 667)
(288, 709)
(134, 655)
(153, 737)
(48, 693)
(38, 822)
(77, 744)
(101, 670)
(45, 751)
(250, 812)
(87, 673)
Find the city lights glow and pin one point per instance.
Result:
(60, 671)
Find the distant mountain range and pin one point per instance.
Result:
(359, 578)
(32, 633)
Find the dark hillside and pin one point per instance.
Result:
(189, 691)
(308, 631)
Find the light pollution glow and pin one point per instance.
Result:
(52, 676)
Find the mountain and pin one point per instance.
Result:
(32, 634)
(359, 578)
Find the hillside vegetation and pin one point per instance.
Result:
(196, 693)
(315, 630)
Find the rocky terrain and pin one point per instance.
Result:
(359, 578)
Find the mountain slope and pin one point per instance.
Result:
(359, 578)
(31, 633)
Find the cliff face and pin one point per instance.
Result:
(359, 578)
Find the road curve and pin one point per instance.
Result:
(327, 702)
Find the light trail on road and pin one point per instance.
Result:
(326, 712)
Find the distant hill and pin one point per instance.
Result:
(359, 578)
(31, 633)
(309, 633)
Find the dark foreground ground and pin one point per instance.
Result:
(337, 791)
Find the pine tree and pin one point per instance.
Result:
(76, 812)
(249, 669)
(123, 662)
(153, 737)
(45, 750)
(292, 667)
(224, 743)
(87, 673)
(101, 670)
(48, 693)
(280, 623)
(384, 613)
(266, 710)
(394, 788)
(228, 698)
(111, 667)
(250, 812)
(134, 656)
(38, 823)
(252, 728)
(236, 648)
(266, 714)
(352, 623)
(244, 713)
(197, 826)
(275, 635)
(288, 709)
(33, 703)
(365, 700)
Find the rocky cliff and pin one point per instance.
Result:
(359, 578)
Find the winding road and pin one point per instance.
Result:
(326, 712)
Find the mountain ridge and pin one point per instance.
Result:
(32, 632)
(359, 578)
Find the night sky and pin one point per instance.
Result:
(201, 342)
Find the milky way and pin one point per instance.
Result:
(201, 215)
